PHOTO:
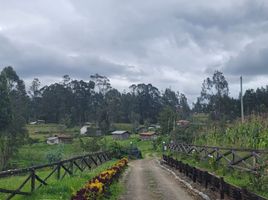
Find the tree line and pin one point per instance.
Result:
(74, 102)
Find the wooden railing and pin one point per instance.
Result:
(60, 169)
(250, 160)
(211, 181)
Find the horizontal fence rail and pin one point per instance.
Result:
(211, 181)
(250, 160)
(60, 169)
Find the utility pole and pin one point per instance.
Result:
(241, 98)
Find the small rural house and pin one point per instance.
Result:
(57, 139)
(183, 123)
(65, 139)
(120, 135)
(151, 135)
(90, 131)
(37, 122)
(53, 140)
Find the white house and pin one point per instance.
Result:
(83, 130)
(53, 140)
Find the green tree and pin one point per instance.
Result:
(167, 120)
(5, 105)
(215, 95)
(183, 108)
(14, 114)
(35, 98)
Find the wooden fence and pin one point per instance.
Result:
(211, 181)
(244, 159)
(60, 169)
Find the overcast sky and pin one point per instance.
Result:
(169, 43)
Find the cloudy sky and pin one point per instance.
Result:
(169, 43)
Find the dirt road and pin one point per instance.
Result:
(146, 180)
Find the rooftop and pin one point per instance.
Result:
(119, 132)
(150, 133)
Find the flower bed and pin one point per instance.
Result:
(96, 187)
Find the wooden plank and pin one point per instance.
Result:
(29, 169)
(241, 159)
(94, 161)
(88, 165)
(13, 192)
(19, 188)
(58, 171)
(98, 156)
(40, 180)
(78, 166)
(32, 181)
(53, 171)
(67, 170)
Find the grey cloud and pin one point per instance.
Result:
(168, 43)
(252, 61)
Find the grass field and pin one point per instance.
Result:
(42, 131)
(58, 189)
(37, 153)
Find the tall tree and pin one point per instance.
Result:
(102, 82)
(215, 92)
(13, 114)
(184, 108)
(35, 98)
(170, 98)
(167, 119)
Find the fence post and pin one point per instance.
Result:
(233, 157)
(222, 187)
(244, 194)
(186, 170)
(72, 167)
(180, 166)
(58, 171)
(206, 179)
(32, 180)
(194, 174)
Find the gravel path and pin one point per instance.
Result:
(146, 180)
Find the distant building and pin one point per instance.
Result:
(183, 123)
(37, 122)
(53, 140)
(89, 130)
(41, 121)
(65, 139)
(120, 135)
(83, 130)
(151, 135)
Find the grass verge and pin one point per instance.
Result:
(234, 177)
(62, 189)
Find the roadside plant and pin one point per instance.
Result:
(95, 188)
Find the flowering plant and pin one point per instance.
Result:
(95, 188)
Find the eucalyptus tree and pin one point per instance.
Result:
(13, 114)
(214, 94)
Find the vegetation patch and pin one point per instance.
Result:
(98, 186)
(255, 183)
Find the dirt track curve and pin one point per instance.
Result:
(146, 180)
